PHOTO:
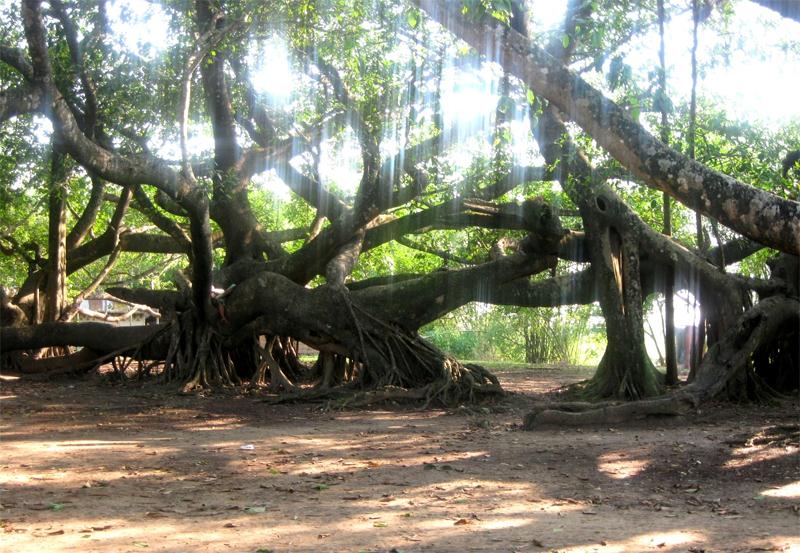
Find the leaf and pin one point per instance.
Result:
(256, 509)
(262, 550)
(141, 544)
(461, 522)
(321, 487)
(412, 17)
(565, 41)
(380, 524)
(57, 506)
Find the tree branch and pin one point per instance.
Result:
(735, 204)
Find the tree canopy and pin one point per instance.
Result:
(342, 173)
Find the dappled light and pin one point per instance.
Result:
(381, 276)
(623, 464)
(199, 474)
(744, 457)
(675, 540)
(768, 444)
(789, 491)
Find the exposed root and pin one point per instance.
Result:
(607, 413)
(79, 361)
(380, 357)
(277, 379)
(197, 356)
(607, 384)
(344, 397)
(336, 369)
(397, 359)
(732, 360)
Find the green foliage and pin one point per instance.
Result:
(391, 63)
(568, 335)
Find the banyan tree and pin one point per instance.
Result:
(164, 151)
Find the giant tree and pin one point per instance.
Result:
(372, 75)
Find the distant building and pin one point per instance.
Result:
(112, 312)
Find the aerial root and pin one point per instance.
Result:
(277, 379)
(196, 356)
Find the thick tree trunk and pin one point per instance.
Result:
(763, 341)
(625, 371)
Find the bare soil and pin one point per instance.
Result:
(93, 466)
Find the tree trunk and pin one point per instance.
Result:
(57, 239)
(669, 285)
(625, 371)
(757, 344)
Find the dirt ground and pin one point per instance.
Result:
(93, 466)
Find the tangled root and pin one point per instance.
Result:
(196, 356)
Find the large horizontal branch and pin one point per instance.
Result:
(416, 302)
(165, 301)
(104, 244)
(101, 337)
(757, 214)
(431, 250)
(571, 289)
